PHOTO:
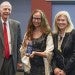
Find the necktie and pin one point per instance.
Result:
(6, 45)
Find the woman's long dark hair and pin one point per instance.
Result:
(45, 27)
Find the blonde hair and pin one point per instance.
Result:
(70, 26)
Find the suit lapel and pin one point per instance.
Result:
(1, 32)
(64, 43)
(11, 32)
(56, 41)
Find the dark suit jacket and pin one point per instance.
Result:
(15, 42)
(65, 59)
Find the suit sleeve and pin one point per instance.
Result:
(71, 62)
(18, 43)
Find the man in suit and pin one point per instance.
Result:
(10, 40)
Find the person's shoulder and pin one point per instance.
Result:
(73, 31)
(52, 34)
(49, 34)
(14, 21)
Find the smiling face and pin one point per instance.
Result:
(36, 19)
(5, 10)
(62, 22)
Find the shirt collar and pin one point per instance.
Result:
(3, 21)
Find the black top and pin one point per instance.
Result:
(39, 45)
(65, 59)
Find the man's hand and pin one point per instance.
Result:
(19, 66)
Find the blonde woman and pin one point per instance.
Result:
(39, 36)
(64, 41)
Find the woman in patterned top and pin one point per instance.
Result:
(41, 49)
